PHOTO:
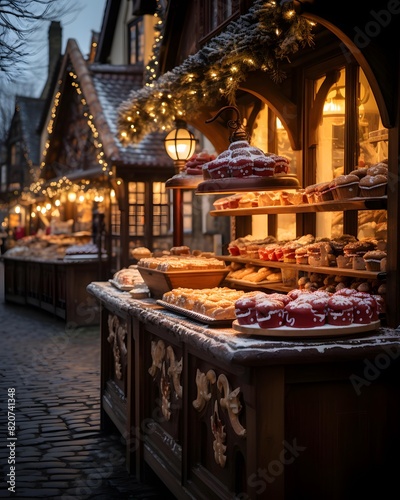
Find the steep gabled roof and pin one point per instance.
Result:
(103, 89)
(30, 110)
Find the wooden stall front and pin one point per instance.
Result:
(55, 286)
(219, 414)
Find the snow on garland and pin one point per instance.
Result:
(258, 40)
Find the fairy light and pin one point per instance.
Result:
(57, 189)
(271, 30)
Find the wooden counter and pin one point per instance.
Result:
(220, 415)
(56, 286)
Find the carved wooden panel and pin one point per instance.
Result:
(117, 338)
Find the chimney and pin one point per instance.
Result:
(55, 38)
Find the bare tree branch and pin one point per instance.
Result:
(19, 21)
(22, 65)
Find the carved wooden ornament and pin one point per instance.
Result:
(116, 337)
(161, 357)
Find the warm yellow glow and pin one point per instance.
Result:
(334, 107)
(57, 203)
(71, 196)
(17, 209)
(180, 144)
(48, 206)
(33, 215)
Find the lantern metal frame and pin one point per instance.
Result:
(180, 145)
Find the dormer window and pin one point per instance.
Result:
(136, 41)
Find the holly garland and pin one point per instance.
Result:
(258, 40)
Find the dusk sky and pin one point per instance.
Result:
(80, 27)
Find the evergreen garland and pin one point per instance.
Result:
(267, 34)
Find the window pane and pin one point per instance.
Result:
(161, 210)
(373, 147)
(136, 41)
(136, 217)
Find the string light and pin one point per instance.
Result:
(100, 155)
(267, 34)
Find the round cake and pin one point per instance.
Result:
(241, 166)
(368, 298)
(346, 186)
(281, 297)
(270, 313)
(245, 308)
(340, 310)
(263, 166)
(373, 185)
(302, 314)
(242, 160)
(373, 259)
(218, 168)
(363, 310)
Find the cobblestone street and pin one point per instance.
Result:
(59, 450)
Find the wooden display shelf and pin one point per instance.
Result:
(378, 203)
(305, 267)
(231, 185)
(276, 286)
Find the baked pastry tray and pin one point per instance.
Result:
(306, 333)
(201, 318)
(234, 281)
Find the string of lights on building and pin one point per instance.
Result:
(259, 40)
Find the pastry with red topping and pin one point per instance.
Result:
(270, 313)
(194, 165)
(282, 164)
(303, 314)
(218, 168)
(245, 308)
(363, 310)
(263, 166)
(340, 311)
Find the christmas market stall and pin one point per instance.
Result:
(280, 377)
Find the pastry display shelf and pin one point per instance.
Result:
(356, 273)
(264, 285)
(378, 203)
(231, 185)
(378, 136)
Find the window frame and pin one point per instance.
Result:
(136, 53)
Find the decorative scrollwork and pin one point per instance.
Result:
(175, 371)
(163, 357)
(117, 332)
(228, 401)
(220, 437)
(157, 355)
(231, 403)
(203, 381)
(165, 388)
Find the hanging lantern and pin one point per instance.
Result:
(180, 144)
(334, 107)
